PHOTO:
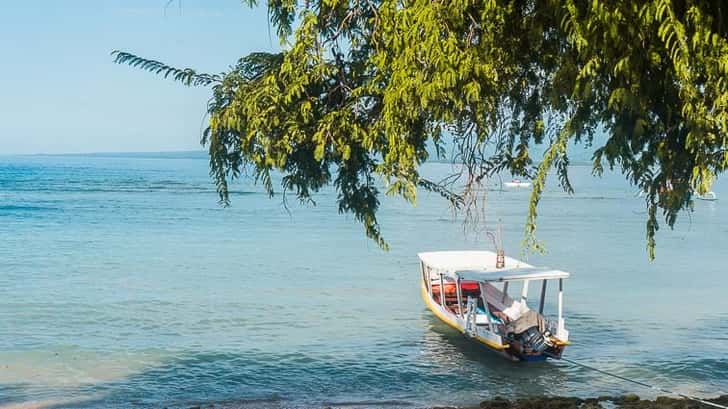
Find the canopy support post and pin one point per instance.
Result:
(561, 305)
(505, 292)
(459, 293)
(485, 307)
(524, 292)
(543, 297)
(442, 291)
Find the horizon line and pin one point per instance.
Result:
(151, 152)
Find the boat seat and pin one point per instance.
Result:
(507, 305)
(482, 319)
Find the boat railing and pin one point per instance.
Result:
(471, 315)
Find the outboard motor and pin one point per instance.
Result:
(533, 339)
(527, 331)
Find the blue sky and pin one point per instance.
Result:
(61, 93)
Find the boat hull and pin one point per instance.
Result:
(503, 349)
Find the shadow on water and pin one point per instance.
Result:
(255, 379)
(434, 366)
(441, 368)
(13, 393)
(704, 356)
(598, 343)
(494, 374)
(27, 396)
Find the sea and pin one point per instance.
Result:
(124, 283)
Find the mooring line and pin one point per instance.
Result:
(692, 398)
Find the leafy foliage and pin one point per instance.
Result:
(187, 76)
(363, 86)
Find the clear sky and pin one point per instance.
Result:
(61, 93)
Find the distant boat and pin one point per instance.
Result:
(476, 302)
(517, 183)
(709, 196)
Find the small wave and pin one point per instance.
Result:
(702, 368)
(369, 403)
(31, 208)
(598, 197)
(131, 189)
(271, 402)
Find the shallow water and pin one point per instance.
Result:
(122, 283)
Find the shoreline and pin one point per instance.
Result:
(629, 401)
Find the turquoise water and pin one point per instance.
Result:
(123, 283)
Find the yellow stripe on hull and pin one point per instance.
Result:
(432, 306)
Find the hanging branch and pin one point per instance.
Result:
(187, 76)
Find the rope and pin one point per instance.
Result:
(692, 398)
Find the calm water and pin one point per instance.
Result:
(122, 282)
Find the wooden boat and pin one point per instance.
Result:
(709, 196)
(476, 302)
(517, 183)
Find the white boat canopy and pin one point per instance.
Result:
(516, 274)
(480, 266)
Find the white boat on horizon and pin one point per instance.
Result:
(517, 183)
(708, 196)
(477, 304)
